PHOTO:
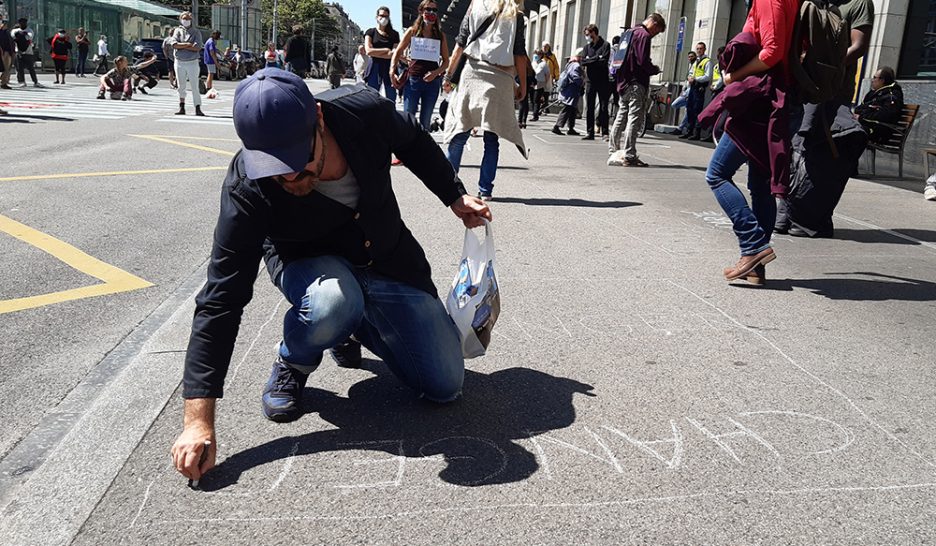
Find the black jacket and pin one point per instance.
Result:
(882, 106)
(260, 219)
(595, 61)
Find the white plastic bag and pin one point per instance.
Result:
(474, 299)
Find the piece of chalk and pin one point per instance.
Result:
(201, 460)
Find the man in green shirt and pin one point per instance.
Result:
(859, 14)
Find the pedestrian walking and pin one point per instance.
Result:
(60, 46)
(491, 37)
(83, 41)
(355, 269)
(210, 55)
(24, 38)
(335, 67)
(596, 55)
(571, 87)
(632, 79)
(523, 110)
(7, 54)
(169, 54)
(756, 62)
(379, 44)
(117, 81)
(553, 62)
(187, 43)
(544, 83)
(102, 54)
(428, 60)
(362, 65)
(298, 53)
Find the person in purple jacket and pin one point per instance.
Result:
(633, 80)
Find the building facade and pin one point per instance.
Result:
(351, 35)
(904, 38)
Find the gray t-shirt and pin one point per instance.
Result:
(191, 35)
(859, 14)
(345, 190)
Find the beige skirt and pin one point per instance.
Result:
(484, 98)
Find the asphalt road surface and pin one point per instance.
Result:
(630, 395)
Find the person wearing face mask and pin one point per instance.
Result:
(427, 47)
(101, 57)
(60, 46)
(597, 53)
(379, 44)
(187, 43)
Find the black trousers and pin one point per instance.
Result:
(601, 90)
(567, 115)
(26, 63)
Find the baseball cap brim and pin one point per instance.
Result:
(265, 163)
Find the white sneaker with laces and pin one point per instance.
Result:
(930, 193)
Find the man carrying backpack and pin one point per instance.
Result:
(23, 37)
(632, 78)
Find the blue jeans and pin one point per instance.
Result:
(488, 161)
(694, 106)
(380, 75)
(406, 327)
(752, 227)
(422, 96)
(80, 61)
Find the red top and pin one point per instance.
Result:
(771, 22)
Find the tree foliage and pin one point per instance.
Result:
(301, 13)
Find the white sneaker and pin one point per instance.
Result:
(616, 159)
(930, 193)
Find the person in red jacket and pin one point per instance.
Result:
(771, 24)
(61, 45)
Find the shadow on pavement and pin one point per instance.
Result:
(550, 202)
(24, 118)
(878, 236)
(475, 434)
(893, 288)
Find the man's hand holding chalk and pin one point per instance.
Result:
(194, 452)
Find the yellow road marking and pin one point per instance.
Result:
(114, 280)
(186, 144)
(110, 173)
(186, 137)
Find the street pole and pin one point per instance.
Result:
(243, 30)
(313, 39)
(275, 21)
(195, 12)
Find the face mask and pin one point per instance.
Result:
(430, 17)
(383, 21)
(536, 58)
(186, 23)
(61, 34)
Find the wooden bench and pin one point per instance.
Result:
(895, 144)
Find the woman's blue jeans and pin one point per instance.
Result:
(422, 96)
(380, 76)
(753, 224)
(488, 160)
(407, 328)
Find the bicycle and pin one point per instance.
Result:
(657, 106)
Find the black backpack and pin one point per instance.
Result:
(614, 64)
(821, 38)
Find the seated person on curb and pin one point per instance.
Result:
(117, 81)
(882, 106)
(310, 193)
(145, 73)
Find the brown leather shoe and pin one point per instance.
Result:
(747, 264)
(757, 277)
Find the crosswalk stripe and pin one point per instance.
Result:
(203, 121)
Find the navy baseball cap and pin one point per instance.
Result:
(275, 116)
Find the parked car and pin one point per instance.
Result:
(155, 45)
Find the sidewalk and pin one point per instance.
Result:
(630, 394)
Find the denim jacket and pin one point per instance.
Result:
(259, 219)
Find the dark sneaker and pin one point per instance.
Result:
(573, 132)
(484, 196)
(636, 162)
(684, 136)
(347, 354)
(556, 131)
(589, 136)
(283, 393)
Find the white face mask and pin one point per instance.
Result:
(61, 34)
(383, 21)
(186, 23)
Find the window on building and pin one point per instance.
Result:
(918, 53)
(568, 42)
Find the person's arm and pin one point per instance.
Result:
(197, 428)
(144, 64)
(397, 53)
(380, 53)
(520, 64)
(860, 41)
(443, 50)
(775, 42)
(453, 64)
